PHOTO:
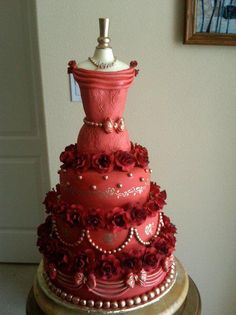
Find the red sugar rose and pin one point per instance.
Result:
(168, 224)
(152, 207)
(154, 190)
(168, 227)
(124, 160)
(138, 213)
(84, 261)
(51, 200)
(133, 63)
(45, 229)
(74, 215)
(62, 207)
(60, 259)
(141, 155)
(118, 219)
(108, 267)
(103, 163)
(163, 247)
(131, 261)
(82, 162)
(150, 259)
(72, 66)
(95, 219)
(47, 246)
(170, 239)
(47, 241)
(158, 195)
(161, 199)
(168, 230)
(68, 156)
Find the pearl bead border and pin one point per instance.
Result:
(102, 65)
(92, 123)
(78, 242)
(160, 224)
(113, 251)
(148, 297)
(132, 231)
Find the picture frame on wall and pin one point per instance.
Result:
(210, 22)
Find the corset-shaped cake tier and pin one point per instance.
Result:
(104, 96)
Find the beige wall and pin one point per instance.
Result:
(182, 107)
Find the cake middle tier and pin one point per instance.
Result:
(106, 191)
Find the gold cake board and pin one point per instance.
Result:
(173, 302)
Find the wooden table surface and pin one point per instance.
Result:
(191, 306)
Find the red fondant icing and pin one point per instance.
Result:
(109, 240)
(104, 96)
(148, 229)
(107, 194)
(94, 140)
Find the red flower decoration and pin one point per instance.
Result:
(124, 161)
(47, 246)
(154, 190)
(47, 241)
(84, 261)
(161, 199)
(150, 259)
(45, 229)
(138, 213)
(108, 267)
(82, 162)
(51, 200)
(74, 215)
(131, 261)
(68, 157)
(164, 248)
(72, 66)
(118, 219)
(158, 195)
(152, 207)
(62, 207)
(141, 155)
(168, 225)
(103, 163)
(170, 239)
(95, 219)
(133, 63)
(60, 259)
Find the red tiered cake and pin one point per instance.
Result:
(106, 242)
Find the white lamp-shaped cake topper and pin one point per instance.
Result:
(103, 58)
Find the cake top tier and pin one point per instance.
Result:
(103, 58)
(104, 96)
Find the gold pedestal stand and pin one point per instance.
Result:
(183, 298)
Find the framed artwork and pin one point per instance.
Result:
(210, 22)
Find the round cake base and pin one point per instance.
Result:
(168, 304)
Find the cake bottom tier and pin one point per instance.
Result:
(165, 299)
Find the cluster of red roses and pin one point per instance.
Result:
(103, 162)
(107, 266)
(116, 219)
